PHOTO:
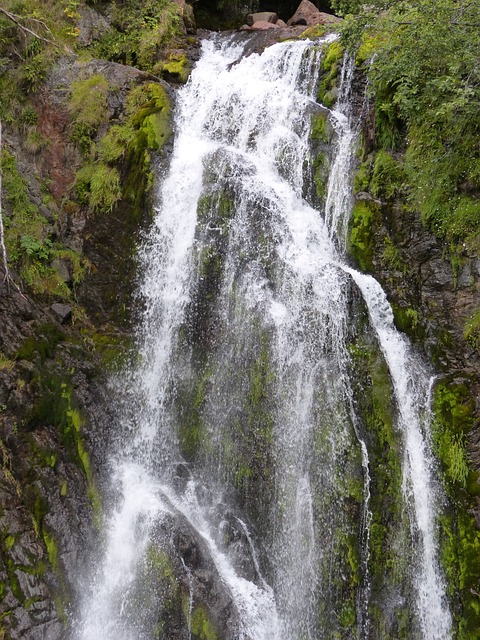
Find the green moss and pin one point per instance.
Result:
(408, 321)
(332, 55)
(202, 627)
(113, 348)
(327, 93)
(146, 128)
(460, 556)
(392, 257)
(318, 129)
(88, 107)
(373, 393)
(98, 184)
(330, 97)
(347, 615)
(52, 550)
(148, 113)
(44, 343)
(317, 31)
(320, 175)
(361, 237)
(361, 180)
(159, 561)
(471, 331)
(453, 407)
(9, 542)
(368, 46)
(387, 177)
(192, 425)
(176, 69)
(57, 406)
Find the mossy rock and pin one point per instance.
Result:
(176, 69)
(321, 129)
(361, 238)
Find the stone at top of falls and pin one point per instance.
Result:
(262, 25)
(263, 16)
(308, 14)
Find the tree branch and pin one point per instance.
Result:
(16, 19)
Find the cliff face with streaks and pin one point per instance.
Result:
(79, 149)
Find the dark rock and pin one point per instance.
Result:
(91, 25)
(63, 312)
(63, 269)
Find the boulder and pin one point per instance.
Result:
(63, 312)
(263, 16)
(91, 25)
(308, 14)
(261, 25)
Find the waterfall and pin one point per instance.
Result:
(238, 419)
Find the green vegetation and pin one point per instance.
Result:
(471, 331)
(146, 128)
(56, 406)
(388, 528)
(141, 31)
(425, 84)
(319, 129)
(115, 166)
(332, 56)
(454, 418)
(361, 236)
(176, 69)
(387, 176)
(28, 238)
(202, 627)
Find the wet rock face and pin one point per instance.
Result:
(46, 513)
(181, 582)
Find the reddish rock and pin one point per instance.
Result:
(263, 16)
(281, 23)
(261, 25)
(308, 14)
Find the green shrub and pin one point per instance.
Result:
(387, 176)
(99, 184)
(88, 103)
(471, 331)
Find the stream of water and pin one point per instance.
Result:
(243, 377)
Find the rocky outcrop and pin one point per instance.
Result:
(265, 16)
(55, 347)
(307, 14)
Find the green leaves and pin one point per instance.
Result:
(425, 83)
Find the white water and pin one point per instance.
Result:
(411, 384)
(255, 111)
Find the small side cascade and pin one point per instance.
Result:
(411, 384)
(339, 199)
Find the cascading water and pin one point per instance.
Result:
(238, 423)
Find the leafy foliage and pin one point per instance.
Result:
(425, 81)
(30, 247)
(140, 30)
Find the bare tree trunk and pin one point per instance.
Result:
(6, 273)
